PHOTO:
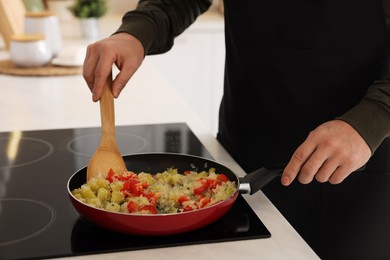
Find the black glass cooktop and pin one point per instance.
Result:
(37, 219)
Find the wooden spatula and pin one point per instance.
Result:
(107, 155)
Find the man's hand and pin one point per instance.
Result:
(330, 153)
(123, 50)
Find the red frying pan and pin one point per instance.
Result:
(168, 224)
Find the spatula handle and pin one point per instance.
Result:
(107, 113)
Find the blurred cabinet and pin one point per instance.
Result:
(195, 66)
(11, 19)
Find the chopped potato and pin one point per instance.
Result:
(165, 192)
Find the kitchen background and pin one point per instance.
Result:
(194, 66)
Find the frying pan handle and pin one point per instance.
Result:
(255, 181)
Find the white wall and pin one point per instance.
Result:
(121, 6)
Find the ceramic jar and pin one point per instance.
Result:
(46, 23)
(29, 50)
(90, 28)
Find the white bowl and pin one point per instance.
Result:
(29, 50)
(46, 23)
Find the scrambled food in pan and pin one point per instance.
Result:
(162, 193)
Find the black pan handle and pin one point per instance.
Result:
(255, 181)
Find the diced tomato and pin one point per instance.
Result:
(204, 201)
(126, 193)
(187, 208)
(127, 184)
(134, 186)
(182, 199)
(150, 208)
(209, 183)
(187, 172)
(222, 177)
(110, 176)
(152, 198)
(190, 207)
(127, 176)
(199, 197)
(132, 206)
(205, 183)
(199, 190)
(213, 184)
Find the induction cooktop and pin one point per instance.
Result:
(37, 219)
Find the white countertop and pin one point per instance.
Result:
(34, 103)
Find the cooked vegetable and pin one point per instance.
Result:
(161, 193)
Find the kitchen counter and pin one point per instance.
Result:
(37, 103)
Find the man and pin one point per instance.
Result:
(293, 65)
(305, 81)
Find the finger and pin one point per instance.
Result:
(339, 175)
(326, 170)
(121, 80)
(102, 71)
(313, 164)
(89, 68)
(127, 68)
(295, 164)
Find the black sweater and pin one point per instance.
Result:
(290, 66)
